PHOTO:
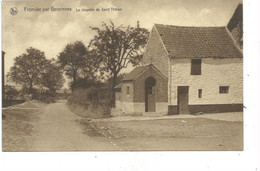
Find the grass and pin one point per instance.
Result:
(172, 128)
(89, 129)
(89, 112)
(199, 134)
(7, 103)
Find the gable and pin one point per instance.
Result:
(236, 18)
(138, 71)
(161, 85)
(150, 69)
(156, 53)
(134, 73)
(235, 25)
(154, 48)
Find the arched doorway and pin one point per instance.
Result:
(150, 94)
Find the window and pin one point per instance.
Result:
(200, 93)
(223, 89)
(196, 67)
(150, 90)
(127, 90)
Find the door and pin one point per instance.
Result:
(183, 100)
(150, 95)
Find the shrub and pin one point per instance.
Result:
(84, 83)
(90, 103)
(10, 92)
(46, 96)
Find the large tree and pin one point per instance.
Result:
(28, 68)
(73, 59)
(52, 77)
(116, 47)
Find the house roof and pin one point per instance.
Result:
(192, 42)
(135, 72)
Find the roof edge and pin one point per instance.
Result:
(148, 41)
(118, 86)
(162, 41)
(234, 41)
(191, 26)
(150, 65)
(134, 69)
(239, 4)
(199, 57)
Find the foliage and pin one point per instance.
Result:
(37, 75)
(45, 96)
(26, 91)
(28, 68)
(77, 61)
(118, 80)
(116, 47)
(85, 83)
(237, 32)
(10, 92)
(52, 78)
(41, 95)
(91, 102)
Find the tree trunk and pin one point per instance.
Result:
(113, 94)
(31, 88)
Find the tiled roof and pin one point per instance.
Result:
(135, 72)
(192, 42)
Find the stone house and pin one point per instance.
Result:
(185, 70)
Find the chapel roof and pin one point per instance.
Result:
(135, 73)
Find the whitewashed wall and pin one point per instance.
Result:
(215, 72)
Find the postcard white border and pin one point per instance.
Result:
(240, 161)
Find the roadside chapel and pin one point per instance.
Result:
(144, 89)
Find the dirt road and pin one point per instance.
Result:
(58, 131)
(55, 129)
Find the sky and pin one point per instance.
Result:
(51, 31)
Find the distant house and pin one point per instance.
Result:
(235, 25)
(185, 70)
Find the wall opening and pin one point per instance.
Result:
(200, 93)
(150, 83)
(223, 89)
(183, 100)
(196, 67)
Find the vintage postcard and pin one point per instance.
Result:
(111, 75)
